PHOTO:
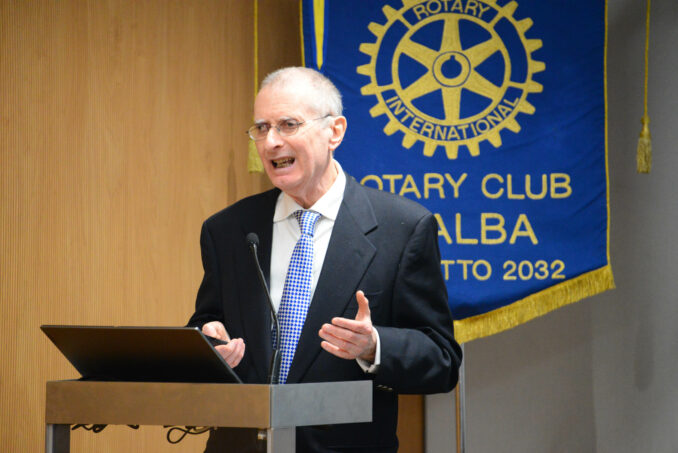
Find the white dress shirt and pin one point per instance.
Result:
(286, 233)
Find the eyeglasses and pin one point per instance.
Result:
(285, 128)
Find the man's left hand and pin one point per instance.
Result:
(351, 338)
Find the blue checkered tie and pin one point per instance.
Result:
(296, 296)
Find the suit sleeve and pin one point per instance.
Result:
(418, 351)
(208, 305)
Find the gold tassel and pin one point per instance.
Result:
(644, 152)
(254, 164)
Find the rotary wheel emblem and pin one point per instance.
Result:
(451, 73)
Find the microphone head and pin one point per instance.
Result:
(253, 239)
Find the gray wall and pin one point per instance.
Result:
(602, 375)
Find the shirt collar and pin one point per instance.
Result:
(328, 205)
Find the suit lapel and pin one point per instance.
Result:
(348, 256)
(255, 314)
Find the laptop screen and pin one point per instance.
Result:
(149, 354)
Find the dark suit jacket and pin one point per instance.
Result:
(383, 244)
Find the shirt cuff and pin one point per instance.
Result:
(372, 367)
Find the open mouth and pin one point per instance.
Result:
(282, 163)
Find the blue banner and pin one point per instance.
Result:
(492, 114)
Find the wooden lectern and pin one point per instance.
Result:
(275, 409)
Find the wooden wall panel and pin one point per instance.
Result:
(121, 129)
(411, 423)
(279, 35)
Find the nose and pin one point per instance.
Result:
(273, 138)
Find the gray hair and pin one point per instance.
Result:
(326, 99)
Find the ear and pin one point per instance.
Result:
(338, 128)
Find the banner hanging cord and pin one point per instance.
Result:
(254, 164)
(644, 152)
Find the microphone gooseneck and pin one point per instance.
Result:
(274, 367)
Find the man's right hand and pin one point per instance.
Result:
(233, 351)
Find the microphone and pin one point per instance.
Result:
(274, 367)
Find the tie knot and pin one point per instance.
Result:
(307, 221)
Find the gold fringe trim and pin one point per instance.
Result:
(254, 164)
(535, 305)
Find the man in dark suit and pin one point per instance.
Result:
(376, 301)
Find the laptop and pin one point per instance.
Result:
(142, 354)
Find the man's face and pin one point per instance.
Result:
(300, 164)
